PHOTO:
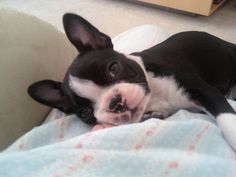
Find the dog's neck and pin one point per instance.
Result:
(139, 60)
(166, 95)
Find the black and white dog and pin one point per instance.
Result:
(189, 70)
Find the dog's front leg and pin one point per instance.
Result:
(213, 103)
(154, 114)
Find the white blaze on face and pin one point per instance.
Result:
(85, 88)
(134, 94)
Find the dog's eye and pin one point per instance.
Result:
(86, 113)
(113, 69)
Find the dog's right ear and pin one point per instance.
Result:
(49, 93)
(84, 36)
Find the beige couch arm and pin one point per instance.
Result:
(30, 50)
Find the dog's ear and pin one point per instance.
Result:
(49, 93)
(83, 35)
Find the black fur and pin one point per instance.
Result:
(201, 63)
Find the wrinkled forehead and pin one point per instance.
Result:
(91, 66)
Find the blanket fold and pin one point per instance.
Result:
(186, 144)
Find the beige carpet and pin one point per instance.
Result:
(114, 17)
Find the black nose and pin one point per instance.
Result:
(116, 104)
(115, 101)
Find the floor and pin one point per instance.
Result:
(115, 16)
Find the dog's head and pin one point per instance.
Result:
(101, 85)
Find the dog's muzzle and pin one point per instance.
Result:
(116, 104)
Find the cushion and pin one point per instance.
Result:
(30, 50)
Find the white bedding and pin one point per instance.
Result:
(185, 145)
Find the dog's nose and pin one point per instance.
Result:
(122, 107)
(115, 101)
(116, 104)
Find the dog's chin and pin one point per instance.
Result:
(132, 116)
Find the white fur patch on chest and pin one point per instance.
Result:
(166, 96)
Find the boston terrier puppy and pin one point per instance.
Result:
(190, 70)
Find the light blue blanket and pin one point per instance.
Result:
(185, 145)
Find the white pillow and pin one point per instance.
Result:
(139, 38)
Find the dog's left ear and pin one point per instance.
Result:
(84, 36)
(50, 93)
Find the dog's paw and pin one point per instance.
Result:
(227, 124)
(154, 114)
(101, 126)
